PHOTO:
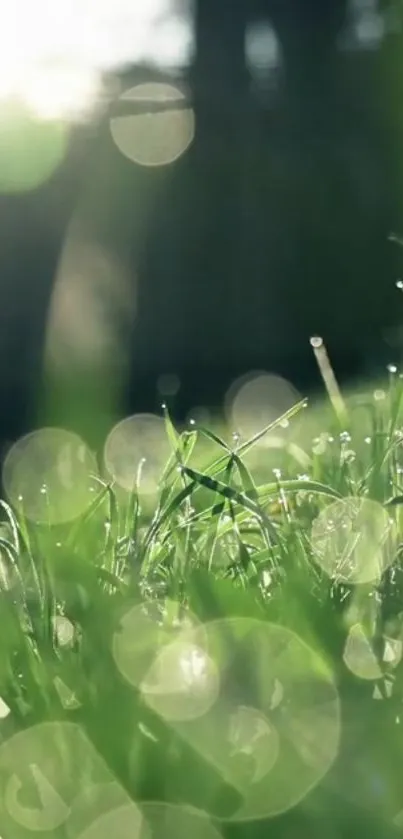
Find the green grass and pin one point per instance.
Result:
(231, 534)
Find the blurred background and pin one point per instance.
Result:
(188, 192)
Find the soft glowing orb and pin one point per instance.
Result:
(49, 474)
(91, 310)
(263, 51)
(145, 631)
(354, 540)
(136, 451)
(273, 731)
(30, 150)
(152, 137)
(256, 400)
(182, 682)
(44, 770)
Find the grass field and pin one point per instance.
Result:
(258, 592)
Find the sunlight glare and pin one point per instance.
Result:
(53, 55)
(91, 311)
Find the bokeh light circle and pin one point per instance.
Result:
(153, 137)
(46, 771)
(182, 682)
(30, 149)
(137, 442)
(354, 540)
(160, 650)
(258, 399)
(49, 475)
(151, 639)
(273, 731)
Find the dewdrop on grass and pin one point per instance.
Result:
(328, 376)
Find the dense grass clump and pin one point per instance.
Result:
(299, 526)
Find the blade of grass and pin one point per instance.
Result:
(218, 465)
(232, 495)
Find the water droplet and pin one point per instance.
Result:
(236, 437)
(192, 422)
(316, 342)
(368, 440)
(43, 490)
(164, 406)
(399, 285)
(392, 368)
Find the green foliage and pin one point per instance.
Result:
(222, 541)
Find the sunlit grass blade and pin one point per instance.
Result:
(246, 479)
(232, 495)
(218, 465)
(79, 528)
(164, 516)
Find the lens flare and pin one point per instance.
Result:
(30, 151)
(354, 540)
(136, 451)
(49, 475)
(45, 771)
(273, 731)
(256, 400)
(151, 136)
(145, 631)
